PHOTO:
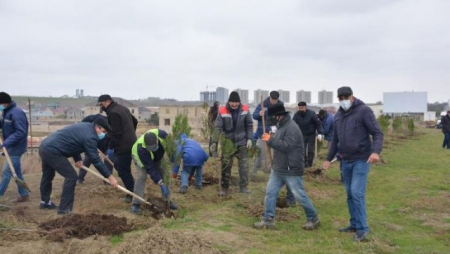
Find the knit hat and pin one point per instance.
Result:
(104, 97)
(322, 113)
(277, 110)
(344, 91)
(151, 141)
(234, 97)
(5, 98)
(102, 122)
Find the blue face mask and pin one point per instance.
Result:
(156, 148)
(101, 135)
(2, 107)
(345, 104)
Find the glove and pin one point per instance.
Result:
(320, 137)
(265, 137)
(249, 144)
(165, 191)
(174, 175)
(110, 153)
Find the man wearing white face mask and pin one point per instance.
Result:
(354, 123)
(70, 141)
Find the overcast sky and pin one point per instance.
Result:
(174, 49)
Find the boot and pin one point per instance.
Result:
(265, 223)
(21, 199)
(183, 189)
(136, 209)
(244, 190)
(312, 223)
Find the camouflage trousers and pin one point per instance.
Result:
(227, 163)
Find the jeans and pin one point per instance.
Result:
(122, 163)
(6, 176)
(309, 143)
(242, 155)
(295, 183)
(260, 160)
(446, 142)
(191, 170)
(355, 181)
(52, 163)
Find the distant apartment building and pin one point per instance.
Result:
(243, 93)
(208, 96)
(195, 113)
(257, 95)
(325, 97)
(284, 96)
(303, 95)
(222, 95)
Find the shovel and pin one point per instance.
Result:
(319, 171)
(19, 182)
(105, 157)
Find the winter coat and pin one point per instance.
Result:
(237, 131)
(123, 125)
(327, 127)
(212, 116)
(257, 117)
(191, 152)
(352, 131)
(445, 121)
(15, 130)
(73, 140)
(308, 123)
(103, 143)
(287, 144)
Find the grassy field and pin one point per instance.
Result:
(408, 203)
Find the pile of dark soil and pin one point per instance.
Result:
(82, 226)
(158, 208)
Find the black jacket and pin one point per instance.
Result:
(123, 125)
(308, 123)
(445, 121)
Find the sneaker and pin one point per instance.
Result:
(173, 205)
(127, 199)
(244, 190)
(136, 209)
(80, 181)
(264, 223)
(21, 199)
(348, 229)
(223, 192)
(198, 187)
(50, 205)
(360, 236)
(312, 224)
(65, 212)
(183, 189)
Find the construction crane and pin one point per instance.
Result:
(207, 86)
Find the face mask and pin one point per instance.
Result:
(345, 104)
(156, 148)
(2, 107)
(273, 129)
(101, 135)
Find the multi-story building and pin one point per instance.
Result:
(208, 96)
(257, 95)
(325, 97)
(284, 96)
(243, 93)
(303, 95)
(196, 115)
(222, 95)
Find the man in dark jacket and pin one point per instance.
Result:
(122, 138)
(212, 116)
(102, 146)
(287, 168)
(445, 121)
(309, 124)
(258, 114)
(354, 123)
(15, 132)
(235, 123)
(54, 150)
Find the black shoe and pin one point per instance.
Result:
(360, 236)
(173, 205)
(183, 189)
(244, 190)
(50, 205)
(198, 187)
(136, 209)
(127, 199)
(66, 212)
(348, 229)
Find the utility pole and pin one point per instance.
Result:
(29, 116)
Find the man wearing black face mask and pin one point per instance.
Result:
(309, 124)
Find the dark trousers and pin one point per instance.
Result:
(122, 163)
(227, 163)
(52, 163)
(309, 143)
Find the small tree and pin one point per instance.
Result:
(383, 121)
(397, 125)
(411, 126)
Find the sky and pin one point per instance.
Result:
(174, 49)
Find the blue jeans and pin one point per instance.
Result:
(190, 170)
(295, 183)
(6, 176)
(446, 142)
(355, 181)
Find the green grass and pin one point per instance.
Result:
(408, 206)
(116, 239)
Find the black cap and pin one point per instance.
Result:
(344, 91)
(302, 104)
(274, 95)
(322, 113)
(234, 97)
(216, 103)
(102, 122)
(5, 98)
(276, 110)
(151, 141)
(104, 97)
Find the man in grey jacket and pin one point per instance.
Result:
(234, 121)
(287, 168)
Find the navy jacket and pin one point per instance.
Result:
(257, 117)
(352, 131)
(308, 123)
(15, 130)
(103, 143)
(73, 140)
(327, 127)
